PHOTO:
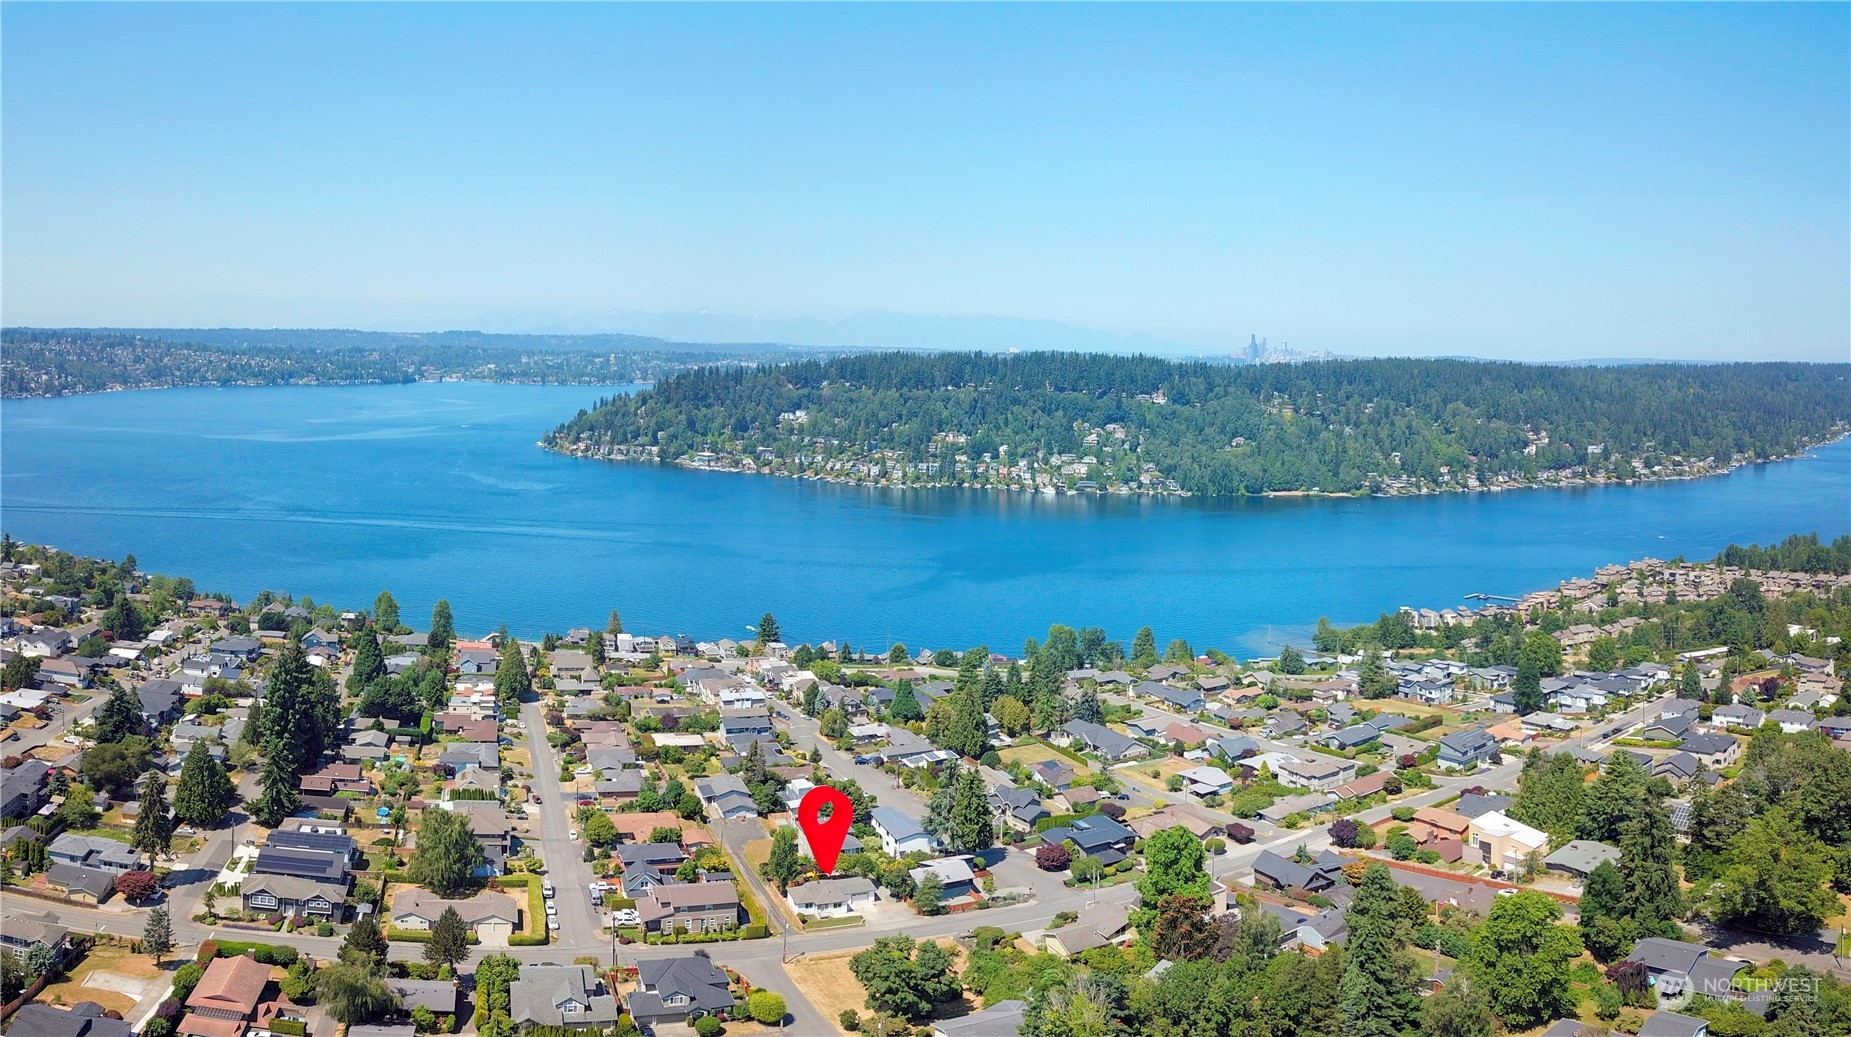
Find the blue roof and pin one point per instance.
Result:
(894, 823)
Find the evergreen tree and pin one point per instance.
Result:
(512, 681)
(905, 704)
(278, 795)
(447, 853)
(153, 825)
(594, 646)
(284, 718)
(1291, 661)
(124, 620)
(118, 717)
(768, 631)
(785, 863)
(368, 664)
(205, 791)
(1690, 685)
(1144, 648)
(443, 630)
(385, 612)
(1606, 924)
(157, 935)
(318, 720)
(1377, 995)
(449, 943)
(1458, 1009)
(968, 733)
(364, 948)
(1614, 799)
(1549, 794)
(973, 827)
(615, 626)
(1526, 689)
(1087, 707)
(1647, 849)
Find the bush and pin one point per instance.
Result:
(267, 953)
(323, 929)
(1402, 813)
(158, 1028)
(1213, 845)
(708, 1026)
(850, 1020)
(1052, 857)
(186, 977)
(288, 1026)
(766, 1007)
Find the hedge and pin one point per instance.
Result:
(393, 932)
(266, 953)
(536, 909)
(288, 1026)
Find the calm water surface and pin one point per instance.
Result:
(438, 490)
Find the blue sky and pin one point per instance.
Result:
(1538, 181)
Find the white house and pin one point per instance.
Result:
(899, 834)
(832, 898)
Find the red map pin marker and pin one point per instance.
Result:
(825, 837)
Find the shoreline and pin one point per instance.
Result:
(1579, 482)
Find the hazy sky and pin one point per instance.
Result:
(1530, 181)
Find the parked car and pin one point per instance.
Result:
(552, 922)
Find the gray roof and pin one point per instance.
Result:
(1101, 738)
(1582, 856)
(830, 891)
(94, 850)
(438, 995)
(536, 996)
(694, 976)
(1708, 745)
(1469, 743)
(94, 881)
(894, 823)
(84, 1019)
(1671, 1024)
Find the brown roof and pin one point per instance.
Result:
(205, 1026)
(1443, 820)
(232, 984)
(1368, 785)
(481, 731)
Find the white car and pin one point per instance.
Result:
(546, 890)
(552, 908)
(627, 916)
(573, 835)
(552, 922)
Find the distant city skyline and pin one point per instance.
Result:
(1543, 182)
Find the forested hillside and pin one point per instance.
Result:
(59, 362)
(1057, 421)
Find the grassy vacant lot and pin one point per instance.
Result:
(1029, 755)
(826, 980)
(116, 969)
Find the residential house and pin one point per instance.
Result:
(367, 745)
(492, 916)
(662, 858)
(1207, 781)
(460, 756)
(1002, 1019)
(570, 996)
(1715, 751)
(678, 989)
(832, 898)
(1286, 806)
(227, 998)
(24, 789)
(1579, 858)
(1672, 1024)
(1504, 843)
(696, 907)
(1677, 967)
(1444, 823)
(1019, 809)
(80, 883)
(1102, 740)
(1284, 723)
(1320, 772)
(21, 930)
(1353, 737)
(954, 873)
(1096, 835)
(1463, 749)
(1670, 728)
(438, 996)
(489, 821)
(93, 851)
(1791, 721)
(83, 1019)
(161, 701)
(899, 834)
(1472, 804)
(1186, 701)
(1274, 871)
(726, 797)
(1098, 925)
(295, 896)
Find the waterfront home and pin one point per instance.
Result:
(676, 990)
(899, 834)
(568, 996)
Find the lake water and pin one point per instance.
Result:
(438, 490)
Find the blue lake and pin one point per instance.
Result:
(438, 490)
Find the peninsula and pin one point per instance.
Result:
(1089, 423)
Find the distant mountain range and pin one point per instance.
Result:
(873, 329)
